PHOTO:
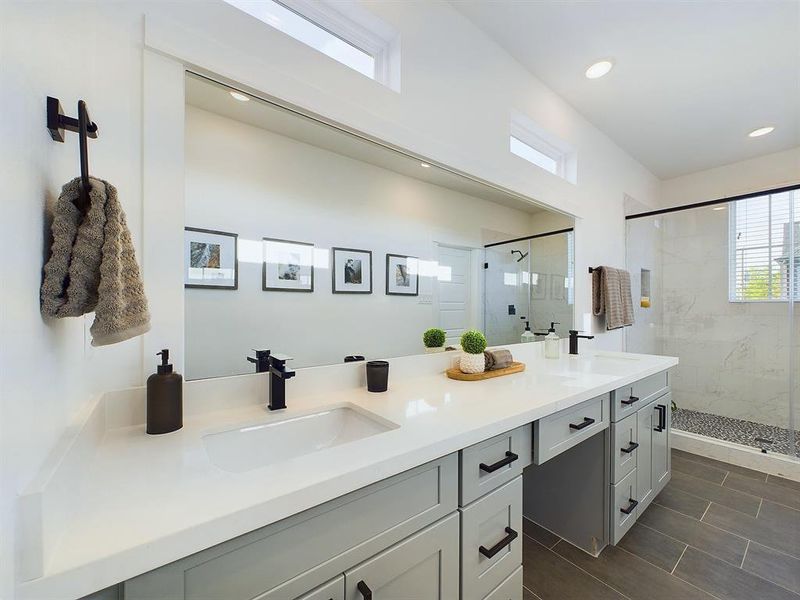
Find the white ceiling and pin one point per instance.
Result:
(691, 78)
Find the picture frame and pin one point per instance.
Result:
(351, 272)
(287, 266)
(211, 259)
(558, 290)
(402, 275)
(538, 286)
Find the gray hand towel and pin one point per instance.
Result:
(611, 296)
(497, 359)
(92, 266)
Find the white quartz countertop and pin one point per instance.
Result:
(145, 501)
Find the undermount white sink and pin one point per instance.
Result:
(260, 444)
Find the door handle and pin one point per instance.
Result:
(662, 417)
(510, 458)
(630, 400)
(630, 448)
(586, 422)
(362, 587)
(633, 504)
(512, 535)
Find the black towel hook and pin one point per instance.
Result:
(57, 123)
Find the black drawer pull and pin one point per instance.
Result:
(662, 418)
(510, 458)
(633, 504)
(586, 422)
(630, 448)
(364, 589)
(512, 535)
(630, 400)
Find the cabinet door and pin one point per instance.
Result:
(422, 567)
(333, 590)
(661, 447)
(647, 419)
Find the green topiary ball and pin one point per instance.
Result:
(473, 342)
(434, 338)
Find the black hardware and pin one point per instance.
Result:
(512, 310)
(510, 458)
(573, 340)
(57, 123)
(593, 269)
(277, 381)
(630, 400)
(586, 422)
(486, 265)
(630, 448)
(529, 237)
(353, 358)
(633, 504)
(512, 535)
(662, 417)
(261, 360)
(364, 589)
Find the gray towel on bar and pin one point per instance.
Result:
(611, 296)
(497, 359)
(92, 266)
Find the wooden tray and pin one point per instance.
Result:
(516, 367)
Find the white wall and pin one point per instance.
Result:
(754, 175)
(458, 91)
(250, 181)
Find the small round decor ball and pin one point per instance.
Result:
(473, 343)
(434, 339)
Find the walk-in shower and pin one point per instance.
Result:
(715, 284)
(529, 280)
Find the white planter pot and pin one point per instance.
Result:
(434, 350)
(473, 363)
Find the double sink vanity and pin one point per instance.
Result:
(418, 492)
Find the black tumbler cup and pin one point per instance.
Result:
(377, 375)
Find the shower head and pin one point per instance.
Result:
(521, 255)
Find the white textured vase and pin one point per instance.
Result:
(472, 363)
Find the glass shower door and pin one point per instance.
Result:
(507, 292)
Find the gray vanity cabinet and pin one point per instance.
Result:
(333, 590)
(422, 567)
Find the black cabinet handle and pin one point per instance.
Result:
(630, 400)
(630, 448)
(510, 458)
(633, 504)
(364, 589)
(662, 417)
(512, 535)
(586, 422)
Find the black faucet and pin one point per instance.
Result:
(277, 381)
(261, 360)
(573, 340)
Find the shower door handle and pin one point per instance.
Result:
(662, 418)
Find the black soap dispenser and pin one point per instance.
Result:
(164, 398)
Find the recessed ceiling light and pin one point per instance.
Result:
(599, 69)
(761, 131)
(239, 96)
(424, 165)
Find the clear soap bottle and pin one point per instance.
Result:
(527, 335)
(552, 343)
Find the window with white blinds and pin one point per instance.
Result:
(763, 249)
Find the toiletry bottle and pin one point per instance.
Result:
(527, 335)
(552, 343)
(164, 398)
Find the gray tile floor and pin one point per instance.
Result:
(717, 531)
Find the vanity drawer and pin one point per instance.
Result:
(624, 447)
(510, 589)
(624, 509)
(630, 398)
(561, 431)
(493, 462)
(491, 540)
(293, 556)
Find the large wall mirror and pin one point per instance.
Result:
(312, 241)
